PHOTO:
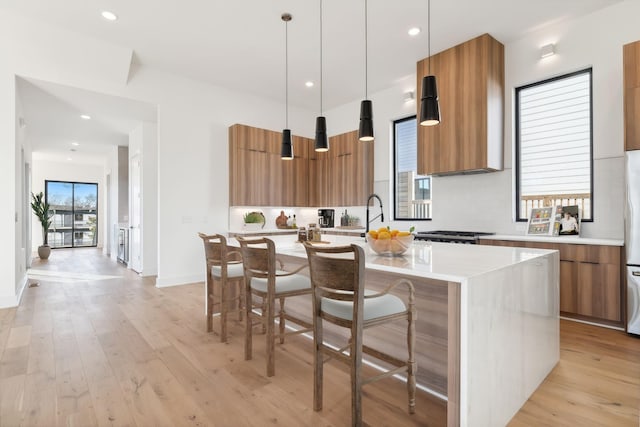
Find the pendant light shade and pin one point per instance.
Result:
(429, 103)
(429, 108)
(365, 130)
(322, 142)
(286, 152)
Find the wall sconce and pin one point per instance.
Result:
(408, 96)
(547, 50)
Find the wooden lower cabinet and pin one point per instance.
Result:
(590, 279)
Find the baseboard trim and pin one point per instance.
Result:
(602, 325)
(165, 282)
(14, 300)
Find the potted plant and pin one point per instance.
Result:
(254, 220)
(41, 210)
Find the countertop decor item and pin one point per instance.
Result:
(41, 210)
(389, 242)
(254, 219)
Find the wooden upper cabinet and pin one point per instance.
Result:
(257, 174)
(346, 171)
(631, 58)
(259, 177)
(470, 82)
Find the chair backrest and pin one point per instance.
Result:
(216, 250)
(259, 256)
(337, 273)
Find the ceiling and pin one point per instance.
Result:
(241, 44)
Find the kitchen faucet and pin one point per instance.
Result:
(381, 216)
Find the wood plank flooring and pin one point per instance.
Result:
(107, 348)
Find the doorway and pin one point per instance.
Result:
(74, 214)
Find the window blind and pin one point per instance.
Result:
(555, 136)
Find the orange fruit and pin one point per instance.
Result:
(384, 235)
(394, 233)
(381, 229)
(373, 234)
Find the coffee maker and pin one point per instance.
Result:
(325, 218)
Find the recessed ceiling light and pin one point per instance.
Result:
(69, 158)
(309, 84)
(85, 117)
(75, 143)
(414, 31)
(109, 16)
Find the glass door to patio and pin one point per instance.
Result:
(74, 211)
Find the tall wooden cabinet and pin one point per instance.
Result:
(345, 172)
(343, 176)
(631, 58)
(257, 174)
(469, 138)
(590, 279)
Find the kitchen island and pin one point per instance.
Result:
(488, 321)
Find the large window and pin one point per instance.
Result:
(412, 192)
(554, 160)
(74, 210)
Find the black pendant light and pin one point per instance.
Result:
(365, 130)
(429, 107)
(286, 152)
(322, 142)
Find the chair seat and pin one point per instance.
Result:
(381, 306)
(233, 270)
(294, 282)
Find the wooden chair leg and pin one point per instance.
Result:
(282, 321)
(412, 365)
(248, 328)
(318, 364)
(356, 379)
(264, 310)
(240, 299)
(269, 316)
(224, 307)
(209, 308)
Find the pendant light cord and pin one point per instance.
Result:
(366, 54)
(321, 57)
(286, 73)
(429, 32)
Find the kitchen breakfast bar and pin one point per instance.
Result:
(488, 320)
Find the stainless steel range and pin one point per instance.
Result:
(468, 237)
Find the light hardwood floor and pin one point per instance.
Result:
(94, 344)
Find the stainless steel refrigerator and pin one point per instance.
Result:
(632, 240)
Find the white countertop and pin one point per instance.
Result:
(441, 261)
(576, 240)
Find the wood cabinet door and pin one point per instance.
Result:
(568, 286)
(598, 287)
(251, 189)
(632, 118)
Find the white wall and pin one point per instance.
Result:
(192, 134)
(485, 202)
(45, 169)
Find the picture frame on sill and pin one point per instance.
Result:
(570, 220)
(544, 221)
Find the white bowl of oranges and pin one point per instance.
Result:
(387, 242)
